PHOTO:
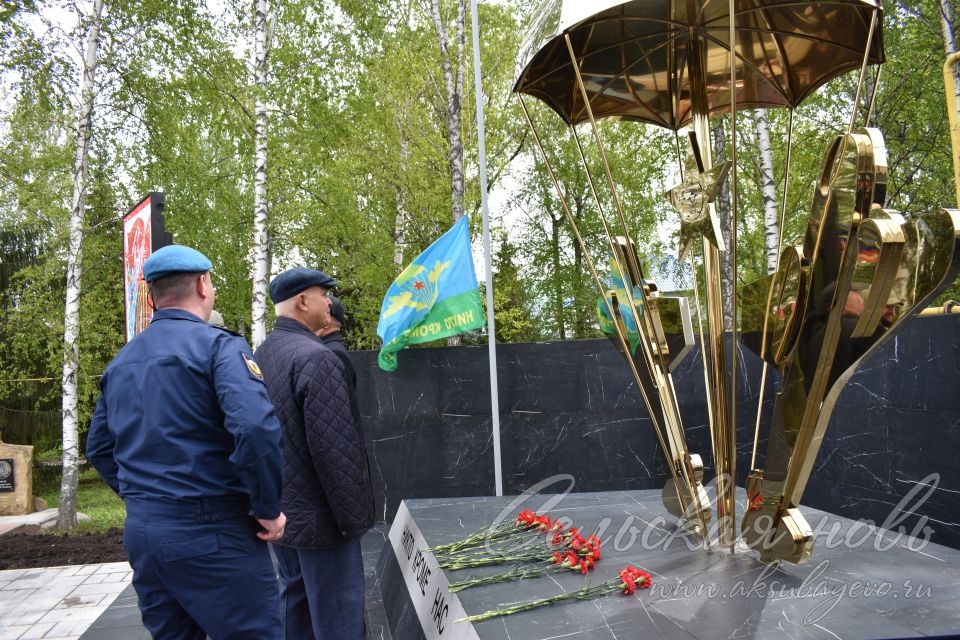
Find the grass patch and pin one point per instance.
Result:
(94, 498)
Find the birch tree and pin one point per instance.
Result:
(263, 27)
(67, 518)
(399, 242)
(451, 63)
(768, 189)
(949, 42)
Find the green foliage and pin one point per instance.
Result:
(358, 165)
(557, 271)
(94, 498)
(515, 320)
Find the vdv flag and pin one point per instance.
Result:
(435, 297)
(616, 285)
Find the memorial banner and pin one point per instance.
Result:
(143, 234)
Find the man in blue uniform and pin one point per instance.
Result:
(327, 492)
(184, 431)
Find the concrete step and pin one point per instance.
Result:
(43, 519)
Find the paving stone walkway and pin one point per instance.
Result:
(97, 601)
(57, 603)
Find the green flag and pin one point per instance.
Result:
(435, 297)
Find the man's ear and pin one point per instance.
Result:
(202, 287)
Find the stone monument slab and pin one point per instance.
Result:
(16, 479)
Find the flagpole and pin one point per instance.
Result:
(491, 333)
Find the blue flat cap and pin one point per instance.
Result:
(293, 281)
(174, 258)
(336, 310)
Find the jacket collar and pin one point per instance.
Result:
(294, 326)
(171, 313)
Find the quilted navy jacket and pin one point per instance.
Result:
(327, 494)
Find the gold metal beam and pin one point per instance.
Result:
(676, 471)
(688, 488)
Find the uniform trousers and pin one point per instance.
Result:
(321, 592)
(201, 574)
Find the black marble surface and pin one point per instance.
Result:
(571, 408)
(848, 590)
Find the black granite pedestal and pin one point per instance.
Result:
(862, 582)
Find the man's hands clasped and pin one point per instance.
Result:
(273, 529)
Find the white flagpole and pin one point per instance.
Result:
(491, 333)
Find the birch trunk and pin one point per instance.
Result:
(67, 518)
(950, 43)
(579, 322)
(260, 251)
(400, 228)
(771, 223)
(723, 211)
(557, 278)
(453, 82)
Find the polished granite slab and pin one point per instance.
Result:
(862, 582)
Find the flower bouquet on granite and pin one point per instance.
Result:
(514, 541)
(629, 580)
(525, 523)
(576, 554)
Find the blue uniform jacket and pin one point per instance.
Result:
(183, 413)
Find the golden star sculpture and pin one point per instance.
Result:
(692, 198)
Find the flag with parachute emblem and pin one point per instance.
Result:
(435, 297)
(616, 285)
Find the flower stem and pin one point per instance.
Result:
(586, 593)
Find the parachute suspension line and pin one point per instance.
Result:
(636, 318)
(610, 184)
(734, 300)
(853, 118)
(863, 74)
(873, 94)
(621, 336)
(628, 290)
(766, 311)
(696, 304)
(624, 275)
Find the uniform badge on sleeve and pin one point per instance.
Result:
(252, 367)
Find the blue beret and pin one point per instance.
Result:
(293, 281)
(174, 258)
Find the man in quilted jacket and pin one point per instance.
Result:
(327, 495)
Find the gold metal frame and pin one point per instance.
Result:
(860, 272)
(688, 499)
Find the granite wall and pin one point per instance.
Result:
(572, 408)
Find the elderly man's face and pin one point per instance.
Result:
(317, 307)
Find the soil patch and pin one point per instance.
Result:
(29, 547)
